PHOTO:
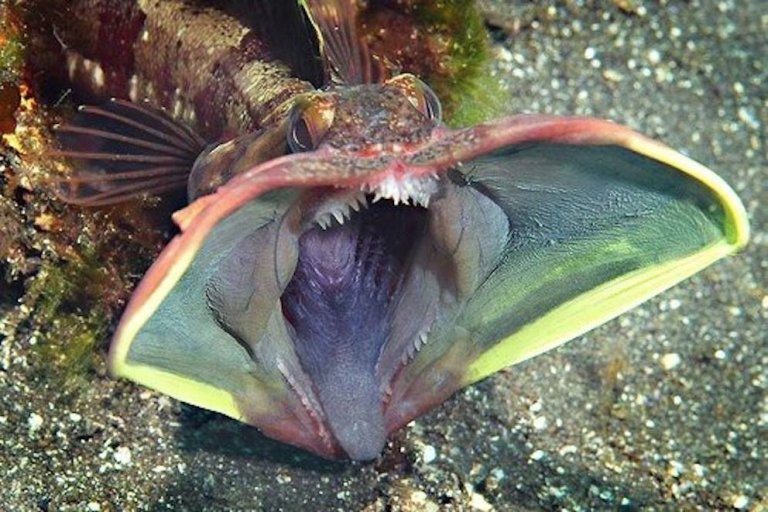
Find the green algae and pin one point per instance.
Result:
(446, 44)
(65, 271)
(11, 57)
(11, 47)
(470, 92)
(68, 315)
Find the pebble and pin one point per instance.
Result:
(654, 57)
(612, 75)
(479, 503)
(122, 455)
(428, 454)
(740, 502)
(34, 422)
(670, 360)
(503, 54)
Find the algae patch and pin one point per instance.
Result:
(446, 44)
(65, 272)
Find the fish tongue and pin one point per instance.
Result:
(338, 304)
(351, 399)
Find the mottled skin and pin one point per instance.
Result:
(361, 120)
(198, 62)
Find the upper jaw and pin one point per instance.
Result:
(339, 205)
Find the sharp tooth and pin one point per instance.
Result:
(339, 216)
(359, 202)
(421, 341)
(325, 220)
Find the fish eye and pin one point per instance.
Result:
(308, 123)
(419, 94)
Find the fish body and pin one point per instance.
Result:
(347, 261)
(196, 61)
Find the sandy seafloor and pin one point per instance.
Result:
(664, 408)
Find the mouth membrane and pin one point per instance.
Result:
(340, 305)
(347, 278)
(342, 292)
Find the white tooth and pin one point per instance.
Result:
(338, 216)
(359, 202)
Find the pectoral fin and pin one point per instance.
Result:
(121, 150)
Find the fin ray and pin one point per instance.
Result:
(121, 150)
(347, 57)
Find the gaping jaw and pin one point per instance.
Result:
(371, 274)
(294, 302)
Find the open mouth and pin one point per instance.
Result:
(371, 277)
(340, 305)
(342, 289)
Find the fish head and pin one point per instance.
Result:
(392, 116)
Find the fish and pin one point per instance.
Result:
(347, 261)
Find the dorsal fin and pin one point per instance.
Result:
(347, 58)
